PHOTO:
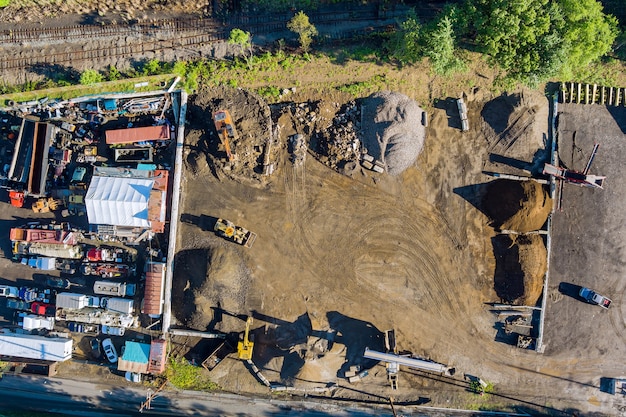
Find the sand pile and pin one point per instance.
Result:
(392, 130)
(516, 205)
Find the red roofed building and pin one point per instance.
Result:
(155, 284)
(137, 134)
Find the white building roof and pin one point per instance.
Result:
(118, 201)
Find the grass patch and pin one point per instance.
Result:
(181, 374)
(64, 93)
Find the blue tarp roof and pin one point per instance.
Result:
(136, 352)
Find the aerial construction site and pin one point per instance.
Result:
(412, 248)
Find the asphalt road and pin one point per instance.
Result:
(67, 397)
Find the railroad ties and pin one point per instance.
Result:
(580, 93)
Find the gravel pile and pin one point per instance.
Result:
(392, 130)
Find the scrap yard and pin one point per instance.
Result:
(354, 249)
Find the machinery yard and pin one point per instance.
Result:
(367, 245)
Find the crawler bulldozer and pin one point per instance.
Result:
(237, 234)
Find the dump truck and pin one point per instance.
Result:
(237, 234)
(32, 294)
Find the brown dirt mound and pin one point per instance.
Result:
(521, 263)
(252, 118)
(516, 205)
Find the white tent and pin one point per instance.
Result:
(118, 201)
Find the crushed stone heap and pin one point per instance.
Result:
(392, 130)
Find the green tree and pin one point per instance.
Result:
(4, 3)
(533, 40)
(90, 76)
(306, 30)
(589, 33)
(244, 40)
(439, 46)
(151, 67)
(405, 45)
(113, 73)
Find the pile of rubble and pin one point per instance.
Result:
(339, 145)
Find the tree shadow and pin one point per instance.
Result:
(498, 111)
(56, 72)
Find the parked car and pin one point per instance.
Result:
(95, 348)
(83, 328)
(109, 350)
(18, 305)
(133, 377)
(60, 283)
(114, 331)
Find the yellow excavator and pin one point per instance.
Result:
(245, 346)
(225, 130)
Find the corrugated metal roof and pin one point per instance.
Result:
(158, 356)
(137, 134)
(153, 297)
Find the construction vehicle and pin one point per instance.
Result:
(245, 346)
(237, 234)
(46, 205)
(593, 297)
(225, 130)
(584, 179)
(17, 198)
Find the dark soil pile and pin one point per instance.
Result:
(521, 264)
(252, 118)
(515, 205)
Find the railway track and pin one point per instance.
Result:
(155, 37)
(141, 47)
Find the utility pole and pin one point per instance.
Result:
(150, 396)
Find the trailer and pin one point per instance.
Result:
(118, 305)
(76, 301)
(15, 345)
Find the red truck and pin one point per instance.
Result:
(43, 309)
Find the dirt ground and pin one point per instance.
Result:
(339, 258)
(343, 255)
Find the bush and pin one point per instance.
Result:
(184, 375)
(4, 3)
(90, 76)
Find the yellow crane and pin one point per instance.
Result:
(245, 346)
